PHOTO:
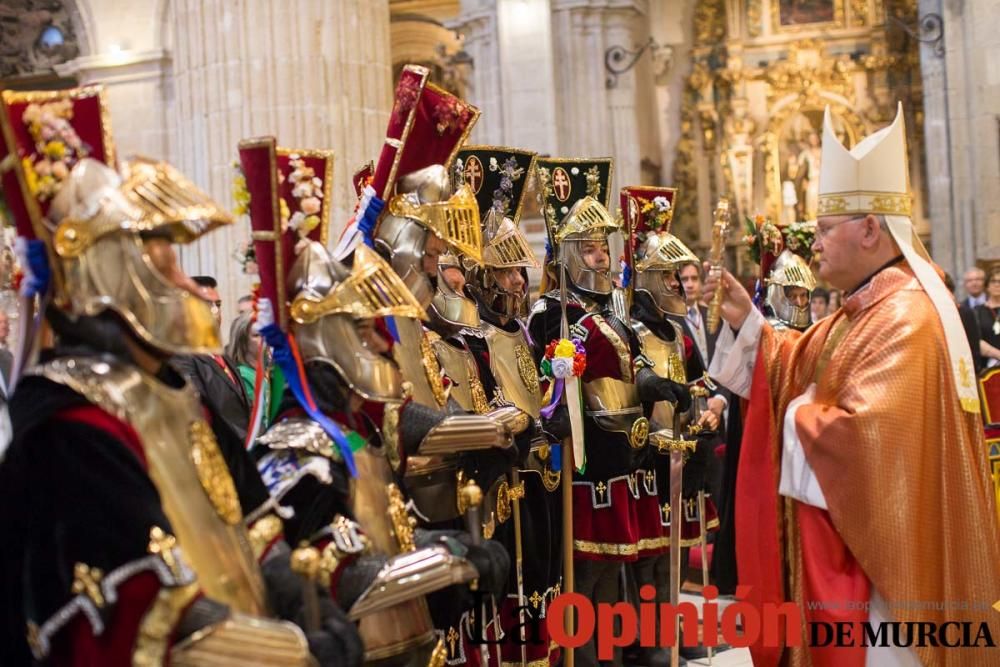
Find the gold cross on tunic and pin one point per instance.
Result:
(86, 581)
(665, 510)
(452, 639)
(162, 544)
(601, 488)
(535, 599)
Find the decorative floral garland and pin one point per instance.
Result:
(57, 147)
(509, 174)
(307, 190)
(799, 237)
(245, 253)
(762, 234)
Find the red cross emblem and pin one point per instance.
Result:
(561, 184)
(474, 173)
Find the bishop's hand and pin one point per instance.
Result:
(736, 302)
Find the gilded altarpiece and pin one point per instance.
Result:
(762, 73)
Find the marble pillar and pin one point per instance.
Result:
(313, 73)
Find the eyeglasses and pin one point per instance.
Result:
(822, 232)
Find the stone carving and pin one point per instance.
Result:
(35, 35)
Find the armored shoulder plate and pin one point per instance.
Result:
(422, 369)
(460, 366)
(186, 466)
(513, 367)
(300, 434)
(667, 356)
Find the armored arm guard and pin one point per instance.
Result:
(211, 635)
(427, 432)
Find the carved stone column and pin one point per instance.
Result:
(592, 119)
(313, 73)
(478, 24)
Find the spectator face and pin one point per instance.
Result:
(370, 336)
(975, 280)
(245, 306)
(819, 307)
(691, 279)
(993, 286)
(211, 295)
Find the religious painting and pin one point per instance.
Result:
(799, 150)
(794, 15)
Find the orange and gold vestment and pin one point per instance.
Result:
(910, 512)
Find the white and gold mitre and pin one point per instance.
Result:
(873, 177)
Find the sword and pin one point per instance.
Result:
(516, 493)
(677, 447)
(472, 496)
(703, 542)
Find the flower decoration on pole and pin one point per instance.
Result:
(564, 362)
(307, 190)
(564, 358)
(762, 236)
(58, 146)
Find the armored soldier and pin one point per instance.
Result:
(502, 351)
(607, 527)
(425, 218)
(786, 281)
(360, 527)
(125, 538)
(653, 256)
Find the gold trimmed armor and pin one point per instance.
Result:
(107, 241)
(323, 300)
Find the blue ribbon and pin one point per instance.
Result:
(626, 275)
(283, 357)
(38, 269)
(548, 251)
(555, 456)
(366, 223)
(390, 324)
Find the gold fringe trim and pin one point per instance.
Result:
(605, 548)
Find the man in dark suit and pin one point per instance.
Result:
(216, 378)
(721, 474)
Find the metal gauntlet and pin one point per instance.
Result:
(411, 575)
(243, 640)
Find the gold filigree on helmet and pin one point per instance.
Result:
(100, 248)
(454, 220)
(587, 220)
(664, 252)
(790, 271)
(328, 300)
(157, 198)
(370, 290)
(505, 245)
